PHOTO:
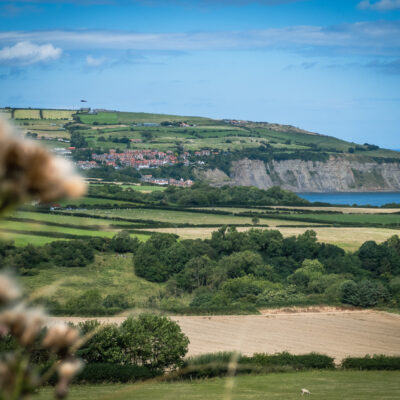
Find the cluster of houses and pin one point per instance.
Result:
(235, 121)
(164, 181)
(87, 164)
(137, 158)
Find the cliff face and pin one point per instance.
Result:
(334, 175)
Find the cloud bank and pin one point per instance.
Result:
(381, 5)
(376, 38)
(27, 53)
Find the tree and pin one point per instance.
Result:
(123, 243)
(106, 346)
(78, 140)
(154, 341)
(255, 220)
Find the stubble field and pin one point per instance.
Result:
(336, 333)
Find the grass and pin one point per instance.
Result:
(67, 219)
(326, 385)
(48, 229)
(376, 219)
(22, 240)
(110, 273)
(101, 118)
(90, 201)
(145, 188)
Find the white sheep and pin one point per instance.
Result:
(305, 392)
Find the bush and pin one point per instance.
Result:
(376, 362)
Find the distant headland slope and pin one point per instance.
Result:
(221, 152)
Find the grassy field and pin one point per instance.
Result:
(90, 201)
(183, 217)
(48, 229)
(110, 273)
(67, 219)
(21, 240)
(324, 385)
(145, 188)
(376, 219)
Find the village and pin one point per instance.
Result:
(144, 159)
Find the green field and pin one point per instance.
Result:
(91, 201)
(375, 219)
(67, 219)
(180, 217)
(100, 118)
(22, 240)
(110, 273)
(349, 385)
(145, 188)
(48, 229)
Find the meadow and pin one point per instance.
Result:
(110, 274)
(326, 385)
(181, 217)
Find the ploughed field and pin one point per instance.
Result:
(336, 333)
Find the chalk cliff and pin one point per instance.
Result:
(335, 175)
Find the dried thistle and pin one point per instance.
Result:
(19, 377)
(28, 171)
(9, 290)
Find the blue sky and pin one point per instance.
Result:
(330, 66)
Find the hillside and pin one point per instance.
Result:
(220, 152)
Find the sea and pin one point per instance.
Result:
(360, 199)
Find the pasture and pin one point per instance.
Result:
(181, 217)
(376, 219)
(111, 274)
(324, 385)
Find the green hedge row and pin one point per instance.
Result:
(217, 364)
(376, 362)
(110, 373)
(98, 373)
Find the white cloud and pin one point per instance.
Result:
(27, 53)
(94, 62)
(381, 5)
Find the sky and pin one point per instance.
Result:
(328, 66)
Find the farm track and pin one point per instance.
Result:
(334, 332)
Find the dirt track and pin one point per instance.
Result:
(336, 333)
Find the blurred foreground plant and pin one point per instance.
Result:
(30, 172)
(19, 374)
